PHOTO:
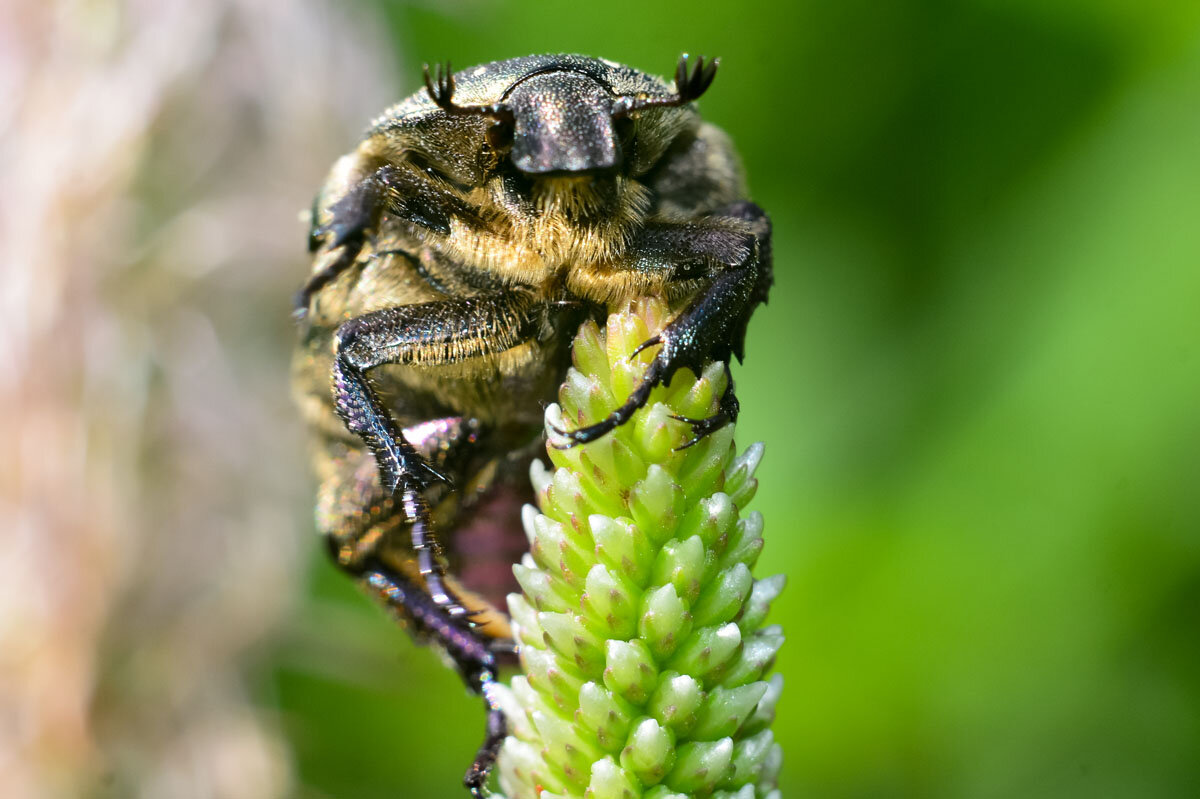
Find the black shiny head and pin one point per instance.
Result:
(562, 122)
(563, 125)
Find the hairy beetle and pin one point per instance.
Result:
(455, 253)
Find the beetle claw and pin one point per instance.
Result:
(429, 475)
(582, 435)
(701, 427)
(727, 411)
(650, 342)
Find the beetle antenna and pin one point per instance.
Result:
(691, 81)
(690, 84)
(440, 86)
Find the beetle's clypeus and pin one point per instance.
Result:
(455, 253)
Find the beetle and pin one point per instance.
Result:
(455, 252)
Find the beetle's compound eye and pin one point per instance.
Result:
(624, 127)
(500, 135)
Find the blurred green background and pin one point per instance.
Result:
(978, 380)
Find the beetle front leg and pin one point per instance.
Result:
(727, 412)
(400, 465)
(714, 325)
(400, 190)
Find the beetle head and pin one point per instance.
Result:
(562, 126)
(563, 123)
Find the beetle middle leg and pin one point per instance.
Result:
(427, 334)
(737, 240)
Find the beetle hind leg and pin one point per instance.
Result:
(495, 732)
(360, 521)
(471, 652)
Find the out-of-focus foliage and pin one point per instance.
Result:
(153, 510)
(978, 381)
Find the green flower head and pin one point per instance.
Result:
(640, 626)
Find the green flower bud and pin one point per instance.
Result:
(654, 504)
(606, 716)
(571, 753)
(681, 563)
(610, 603)
(583, 397)
(557, 553)
(665, 620)
(602, 474)
(761, 596)
(704, 470)
(564, 496)
(724, 597)
(746, 542)
(700, 766)
(676, 701)
(567, 635)
(706, 654)
(770, 770)
(755, 658)
(656, 434)
(764, 714)
(522, 765)
(621, 546)
(524, 619)
(587, 351)
(750, 758)
(650, 752)
(712, 518)
(726, 709)
(539, 588)
(630, 671)
(610, 781)
(740, 482)
(557, 685)
(694, 399)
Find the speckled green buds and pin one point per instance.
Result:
(640, 625)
